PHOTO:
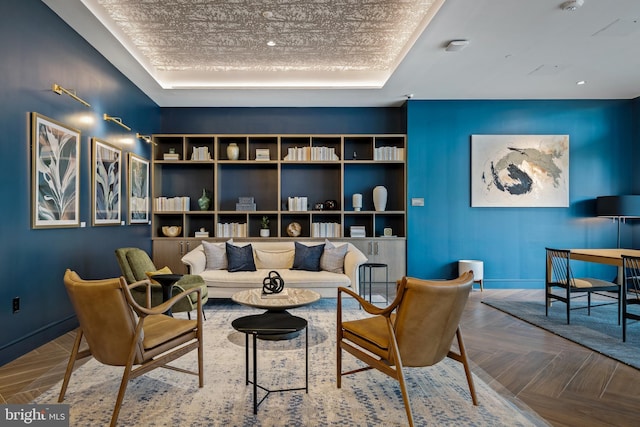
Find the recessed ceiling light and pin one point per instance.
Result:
(572, 5)
(580, 83)
(271, 43)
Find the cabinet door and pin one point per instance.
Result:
(386, 251)
(169, 252)
(393, 253)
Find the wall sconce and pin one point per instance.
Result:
(56, 88)
(145, 138)
(619, 208)
(116, 120)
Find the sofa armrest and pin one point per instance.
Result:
(352, 262)
(195, 260)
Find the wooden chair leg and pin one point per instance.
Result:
(72, 360)
(467, 371)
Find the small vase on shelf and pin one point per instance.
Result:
(204, 202)
(233, 151)
(380, 198)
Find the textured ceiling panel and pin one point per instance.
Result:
(232, 35)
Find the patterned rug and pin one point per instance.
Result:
(439, 394)
(599, 331)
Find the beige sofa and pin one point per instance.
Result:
(213, 266)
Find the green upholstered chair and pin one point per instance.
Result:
(135, 263)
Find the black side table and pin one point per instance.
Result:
(167, 281)
(368, 267)
(263, 326)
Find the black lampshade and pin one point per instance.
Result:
(618, 206)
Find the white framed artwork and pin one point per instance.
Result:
(519, 170)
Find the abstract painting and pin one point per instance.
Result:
(138, 183)
(55, 173)
(106, 162)
(520, 170)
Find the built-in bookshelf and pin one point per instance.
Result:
(308, 179)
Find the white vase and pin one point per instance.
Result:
(233, 151)
(380, 198)
(357, 201)
(264, 232)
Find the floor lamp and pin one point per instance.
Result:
(619, 208)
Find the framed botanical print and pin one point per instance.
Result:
(106, 165)
(55, 173)
(138, 190)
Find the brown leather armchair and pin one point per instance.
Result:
(416, 329)
(120, 332)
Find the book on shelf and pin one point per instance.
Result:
(231, 229)
(357, 231)
(297, 203)
(311, 153)
(172, 204)
(262, 154)
(325, 229)
(388, 153)
(201, 153)
(171, 156)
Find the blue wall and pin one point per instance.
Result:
(283, 120)
(511, 241)
(39, 49)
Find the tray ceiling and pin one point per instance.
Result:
(333, 53)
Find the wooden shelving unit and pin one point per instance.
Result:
(341, 166)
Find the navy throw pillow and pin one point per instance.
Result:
(240, 258)
(307, 257)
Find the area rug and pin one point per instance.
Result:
(439, 394)
(599, 331)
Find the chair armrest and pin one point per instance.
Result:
(353, 259)
(367, 306)
(195, 260)
(159, 309)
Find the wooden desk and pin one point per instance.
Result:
(604, 256)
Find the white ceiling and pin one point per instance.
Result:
(519, 49)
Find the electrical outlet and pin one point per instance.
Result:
(16, 304)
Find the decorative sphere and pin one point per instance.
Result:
(294, 229)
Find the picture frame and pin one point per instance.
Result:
(138, 189)
(55, 173)
(106, 195)
(520, 170)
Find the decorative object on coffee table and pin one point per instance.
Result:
(273, 283)
(380, 198)
(204, 202)
(294, 229)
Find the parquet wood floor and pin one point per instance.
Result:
(565, 383)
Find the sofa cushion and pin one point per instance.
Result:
(240, 258)
(216, 255)
(274, 258)
(307, 257)
(332, 258)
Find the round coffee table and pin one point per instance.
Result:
(294, 298)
